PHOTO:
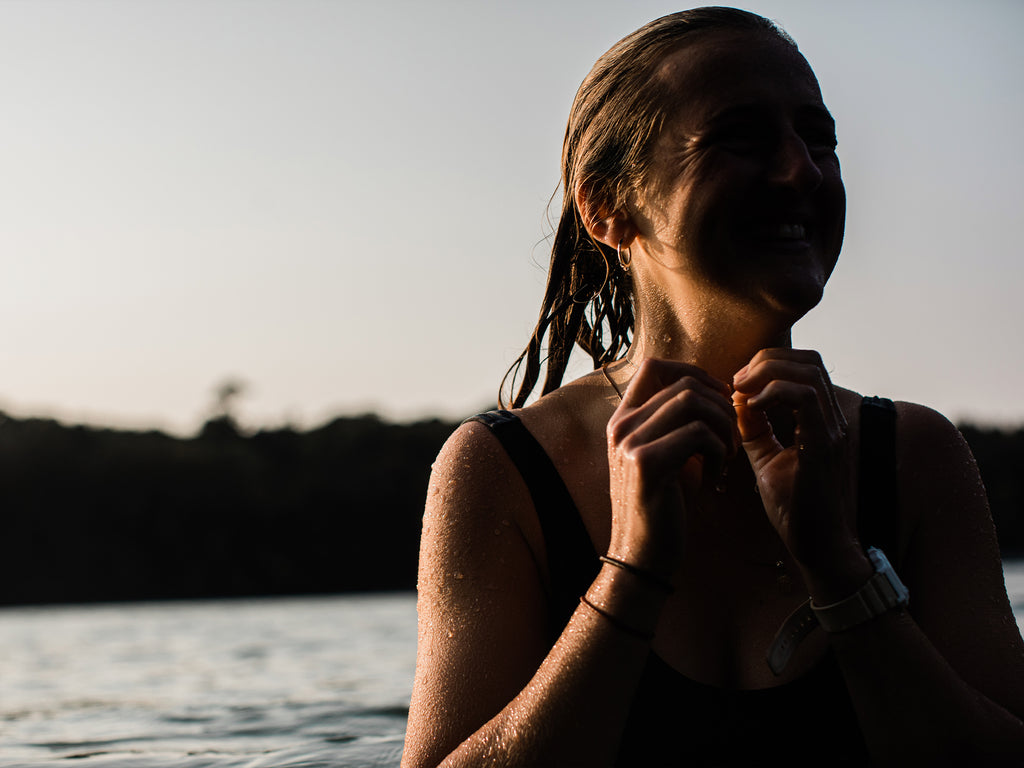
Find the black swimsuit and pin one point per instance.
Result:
(675, 720)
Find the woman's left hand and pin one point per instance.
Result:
(804, 486)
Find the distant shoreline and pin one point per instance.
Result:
(107, 515)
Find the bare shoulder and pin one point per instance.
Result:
(468, 466)
(940, 487)
(924, 427)
(476, 490)
(475, 494)
(573, 415)
(479, 508)
(936, 465)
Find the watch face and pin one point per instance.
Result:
(884, 568)
(878, 559)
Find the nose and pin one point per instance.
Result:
(794, 165)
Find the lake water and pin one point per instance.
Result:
(267, 683)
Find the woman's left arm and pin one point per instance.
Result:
(943, 682)
(956, 657)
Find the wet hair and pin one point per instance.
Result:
(615, 119)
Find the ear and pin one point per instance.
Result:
(612, 228)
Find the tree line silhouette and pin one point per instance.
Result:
(93, 514)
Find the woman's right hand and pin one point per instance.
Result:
(674, 429)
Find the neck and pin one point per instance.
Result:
(718, 337)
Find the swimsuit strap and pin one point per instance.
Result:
(878, 499)
(571, 558)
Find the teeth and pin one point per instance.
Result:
(793, 231)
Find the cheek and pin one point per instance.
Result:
(697, 209)
(707, 197)
(837, 206)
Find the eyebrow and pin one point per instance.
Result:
(816, 112)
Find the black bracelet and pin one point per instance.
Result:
(618, 623)
(647, 576)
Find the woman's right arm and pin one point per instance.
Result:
(488, 689)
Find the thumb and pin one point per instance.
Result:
(759, 440)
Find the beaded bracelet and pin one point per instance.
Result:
(618, 623)
(647, 576)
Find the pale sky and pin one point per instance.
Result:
(342, 203)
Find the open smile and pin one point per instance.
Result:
(790, 234)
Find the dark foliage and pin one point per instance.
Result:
(97, 514)
(94, 514)
(1000, 456)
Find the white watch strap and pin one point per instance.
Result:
(794, 629)
(882, 592)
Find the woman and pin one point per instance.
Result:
(719, 473)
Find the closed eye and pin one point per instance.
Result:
(818, 131)
(742, 137)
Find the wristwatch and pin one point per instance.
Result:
(882, 592)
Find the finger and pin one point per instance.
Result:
(680, 405)
(815, 424)
(670, 452)
(677, 391)
(654, 375)
(752, 422)
(801, 356)
(687, 402)
(759, 376)
(688, 398)
(809, 356)
(759, 441)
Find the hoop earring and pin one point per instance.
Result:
(624, 262)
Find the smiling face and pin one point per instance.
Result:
(746, 197)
